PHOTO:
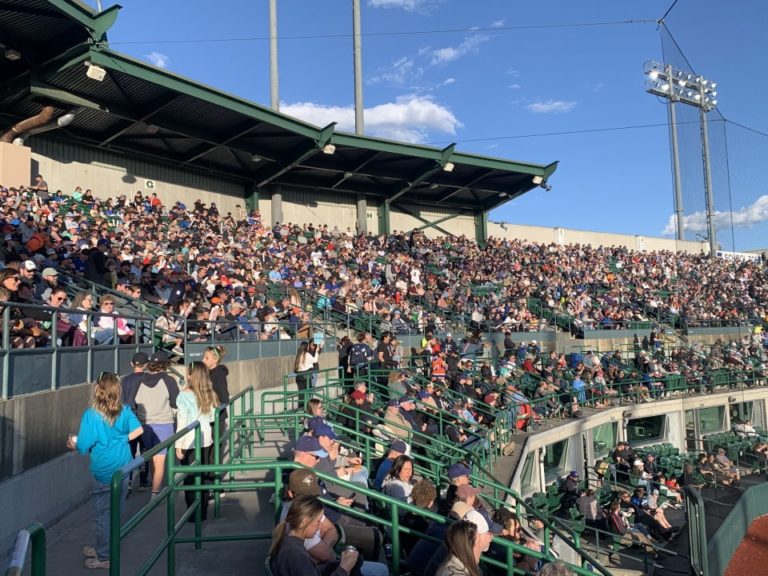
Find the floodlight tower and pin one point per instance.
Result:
(680, 86)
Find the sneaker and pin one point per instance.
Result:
(178, 350)
(89, 551)
(95, 563)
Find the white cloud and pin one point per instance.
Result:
(470, 45)
(745, 217)
(551, 107)
(158, 59)
(407, 5)
(447, 81)
(498, 24)
(515, 86)
(408, 119)
(402, 72)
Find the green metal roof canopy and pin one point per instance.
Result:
(145, 111)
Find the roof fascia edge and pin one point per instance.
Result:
(121, 63)
(97, 22)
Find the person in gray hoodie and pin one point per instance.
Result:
(153, 400)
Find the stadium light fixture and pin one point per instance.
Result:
(12, 55)
(681, 86)
(329, 149)
(448, 167)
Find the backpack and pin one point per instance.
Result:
(358, 354)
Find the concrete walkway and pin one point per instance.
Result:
(241, 512)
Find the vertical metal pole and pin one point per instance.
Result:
(357, 51)
(708, 181)
(170, 510)
(115, 502)
(274, 89)
(6, 343)
(676, 165)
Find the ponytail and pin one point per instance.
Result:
(277, 538)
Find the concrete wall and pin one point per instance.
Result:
(569, 236)
(15, 165)
(65, 165)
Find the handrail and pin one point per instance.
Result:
(50, 325)
(393, 505)
(34, 533)
(290, 421)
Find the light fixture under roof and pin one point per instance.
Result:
(13, 55)
(448, 167)
(256, 158)
(329, 149)
(95, 72)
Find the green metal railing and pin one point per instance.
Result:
(14, 313)
(35, 534)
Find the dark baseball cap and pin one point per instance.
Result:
(458, 470)
(140, 358)
(311, 445)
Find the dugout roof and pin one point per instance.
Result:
(146, 111)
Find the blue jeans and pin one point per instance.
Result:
(100, 499)
(374, 569)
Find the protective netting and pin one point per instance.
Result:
(739, 179)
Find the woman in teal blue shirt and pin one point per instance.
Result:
(105, 430)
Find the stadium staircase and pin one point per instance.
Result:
(160, 536)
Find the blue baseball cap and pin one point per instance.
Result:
(311, 445)
(458, 470)
(399, 446)
(325, 430)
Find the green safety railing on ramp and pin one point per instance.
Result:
(34, 534)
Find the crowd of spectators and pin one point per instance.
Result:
(203, 265)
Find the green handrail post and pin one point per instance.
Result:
(217, 459)
(394, 511)
(170, 512)
(198, 504)
(115, 505)
(34, 533)
(37, 534)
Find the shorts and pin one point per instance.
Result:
(154, 434)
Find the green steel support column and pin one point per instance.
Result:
(481, 228)
(251, 197)
(384, 223)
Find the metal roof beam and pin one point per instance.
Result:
(157, 106)
(429, 170)
(368, 157)
(68, 97)
(427, 222)
(467, 186)
(148, 73)
(301, 154)
(206, 149)
(97, 22)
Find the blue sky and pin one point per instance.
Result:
(484, 74)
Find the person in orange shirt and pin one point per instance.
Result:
(439, 367)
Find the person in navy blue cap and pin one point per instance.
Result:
(340, 462)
